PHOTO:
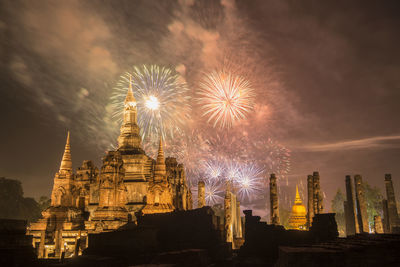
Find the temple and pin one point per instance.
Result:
(298, 217)
(128, 184)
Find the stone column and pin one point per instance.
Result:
(386, 220)
(346, 220)
(310, 200)
(318, 199)
(228, 217)
(351, 222)
(201, 197)
(361, 205)
(378, 224)
(273, 196)
(239, 233)
(391, 202)
(58, 242)
(41, 253)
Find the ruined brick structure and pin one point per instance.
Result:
(350, 209)
(93, 201)
(314, 197)
(201, 194)
(392, 217)
(273, 196)
(232, 219)
(378, 227)
(362, 216)
(310, 200)
(318, 199)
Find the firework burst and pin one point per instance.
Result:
(225, 98)
(162, 100)
(214, 192)
(275, 157)
(214, 170)
(249, 182)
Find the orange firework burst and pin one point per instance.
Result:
(225, 98)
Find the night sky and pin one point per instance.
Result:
(326, 74)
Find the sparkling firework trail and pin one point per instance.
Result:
(162, 100)
(214, 192)
(249, 183)
(275, 158)
(225, 98)
(213, 170)
(189, 148)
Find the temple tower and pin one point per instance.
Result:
(110, 213)
(350, 213)
(129, 138)
(310, 200)
(63, 214)
(63, 180)
(160, 172)
(391, 203)
(201, 195)
(361, 205)
(138, 166)
(273, 196)
(159, 193)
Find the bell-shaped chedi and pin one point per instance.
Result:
(298, 217)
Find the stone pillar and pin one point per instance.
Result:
(58, 243)
(41, 253)
(310, 200)
(378, 224)
(239, 233)
(346, 220)
(228, 217)
(386, 220)
(361, 205)
(391, 202)
(273, 196)
(201, 196)
(318, 199)
(351, 222)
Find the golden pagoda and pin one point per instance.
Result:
(298, 220)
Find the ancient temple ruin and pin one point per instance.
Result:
(314, 197)
(350, 209)
(232, 218)
(298, 216)
(273, 196)
(90, 200)
(362, 215)
(390, 206)
(201, 194)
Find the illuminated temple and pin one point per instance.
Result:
(92, 201)
(298, 217)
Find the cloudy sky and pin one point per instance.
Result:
(326, 75)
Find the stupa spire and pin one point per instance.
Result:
(66, 162)
(160, 157)
(130, 98)
(129, 138)
(297, 200)
(160, 163)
